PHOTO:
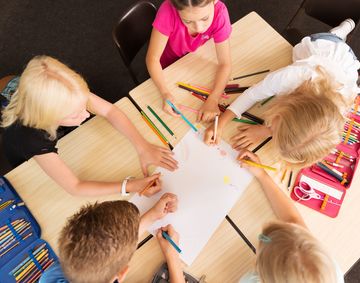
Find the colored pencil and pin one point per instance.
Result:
(167, 237)
(249, 75)
(161, 121)
(152, 183)
(183, 107)
(252, 163)
(330, 171)
(244, 121)
(290, 178)
(198, 89)
(151, 127)
(236, 89)
(253, 117)
(147, 121)
(182, 115)
(267, 100)
(283, 175)
(261, 145)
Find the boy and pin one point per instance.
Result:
(98, 242)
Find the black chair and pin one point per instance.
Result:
(132, 31)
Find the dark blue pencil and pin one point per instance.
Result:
(167, 237)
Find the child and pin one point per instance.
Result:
(307, 116)
(180, 27)
(51, 95)
(97, 243)
(287, 252)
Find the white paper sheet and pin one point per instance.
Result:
(208, 183)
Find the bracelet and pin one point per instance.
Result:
(123, 186)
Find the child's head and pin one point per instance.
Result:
(50, 94)
(197, 15)
(98, 242)
(307, 123)
(289, 253)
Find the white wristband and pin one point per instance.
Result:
(123, 186)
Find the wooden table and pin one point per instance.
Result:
(255, 46)
(96, 151)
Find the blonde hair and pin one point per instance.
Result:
(293, 255)
(98, 242)
(48, 91)
(307, 123)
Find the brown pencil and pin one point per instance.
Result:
(152, 183)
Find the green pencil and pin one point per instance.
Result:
(156, 129)
(245, 121)
(161, 121)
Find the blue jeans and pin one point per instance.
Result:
(331, 37)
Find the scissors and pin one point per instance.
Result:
(303, 191)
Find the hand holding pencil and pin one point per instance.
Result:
(169, 249)
(257, 171)
(147, 186)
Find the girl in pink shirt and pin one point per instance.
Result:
(180, 27)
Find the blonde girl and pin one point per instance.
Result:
(287, 252)
(180, 27)
(313, 94)
(50, 96)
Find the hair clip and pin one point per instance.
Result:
(265, 239)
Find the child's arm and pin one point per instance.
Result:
(166, 204)
(148, 153)
(171, 255)
(210, 108)
(156, 48)
(53, 166)
(282, 206)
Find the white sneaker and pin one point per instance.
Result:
(343, 29)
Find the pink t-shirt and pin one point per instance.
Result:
(180, 42)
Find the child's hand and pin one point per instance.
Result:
(166, 204)
(209, 135)
(246, 154)
(249, 135)
(156, 155)
(167, 108)
(138, 185)
(208, 110)
(167, 249)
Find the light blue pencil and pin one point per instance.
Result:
(167, 237)
(181, 114)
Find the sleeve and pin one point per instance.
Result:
(279, 82)
(38, 143)
(165, 19)
(223, 26)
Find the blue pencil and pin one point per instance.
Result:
(167, 237)
(182, 115)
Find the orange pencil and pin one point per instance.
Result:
(152, 183)
(151, 127)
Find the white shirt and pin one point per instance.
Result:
(334, 57)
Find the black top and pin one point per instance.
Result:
(21, 143)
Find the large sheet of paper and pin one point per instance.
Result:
(208, 183)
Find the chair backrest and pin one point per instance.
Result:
(133, 30)
(333, 12)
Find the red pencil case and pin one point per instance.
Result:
(323, 185)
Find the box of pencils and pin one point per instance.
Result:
(323, 185)
(23, 256)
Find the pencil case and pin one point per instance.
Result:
(323, 185)
(19, 239)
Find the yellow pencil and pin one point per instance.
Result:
(252, 163)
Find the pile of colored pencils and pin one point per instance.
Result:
(8, 240)
(29, 271)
